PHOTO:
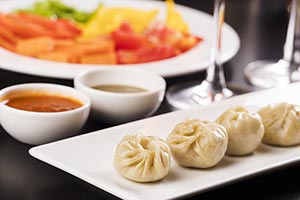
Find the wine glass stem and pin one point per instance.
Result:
(215, 74)
(292, 42)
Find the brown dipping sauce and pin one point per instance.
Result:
(119, 88)
(43, 103)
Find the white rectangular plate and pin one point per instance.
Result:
(90, 156)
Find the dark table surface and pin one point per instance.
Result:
(261, 25)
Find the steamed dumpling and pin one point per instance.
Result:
(282, 124)
(196, 143)
(245, 130)
(142, 158)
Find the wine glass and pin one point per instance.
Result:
(213, 88)
(268, 74)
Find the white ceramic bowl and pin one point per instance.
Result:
(116, 108)
(41, 127)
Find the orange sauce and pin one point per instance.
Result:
(43, 103)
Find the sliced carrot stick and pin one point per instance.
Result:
(104, 58)
(100, 38)
(6, 44)
(36, 19)
(27, 29)
(61, 32)
(74, 58)
(54, 25)
(22, 28)
(61, 43)
(88, 48)
(92, 48)
(54, 56)
(35, 46)
(59, 56)
(8, 35)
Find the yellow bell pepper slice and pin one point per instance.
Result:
(109, 19)
(174, 19)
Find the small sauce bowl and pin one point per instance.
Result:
(116, 108)
(38, 127)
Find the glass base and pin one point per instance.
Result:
(268, 74)
(183, 96)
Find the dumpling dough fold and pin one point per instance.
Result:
(198, 143)
(282, 124)
(245, 130)
(142, 158)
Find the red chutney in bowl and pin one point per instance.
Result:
(42, 102)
